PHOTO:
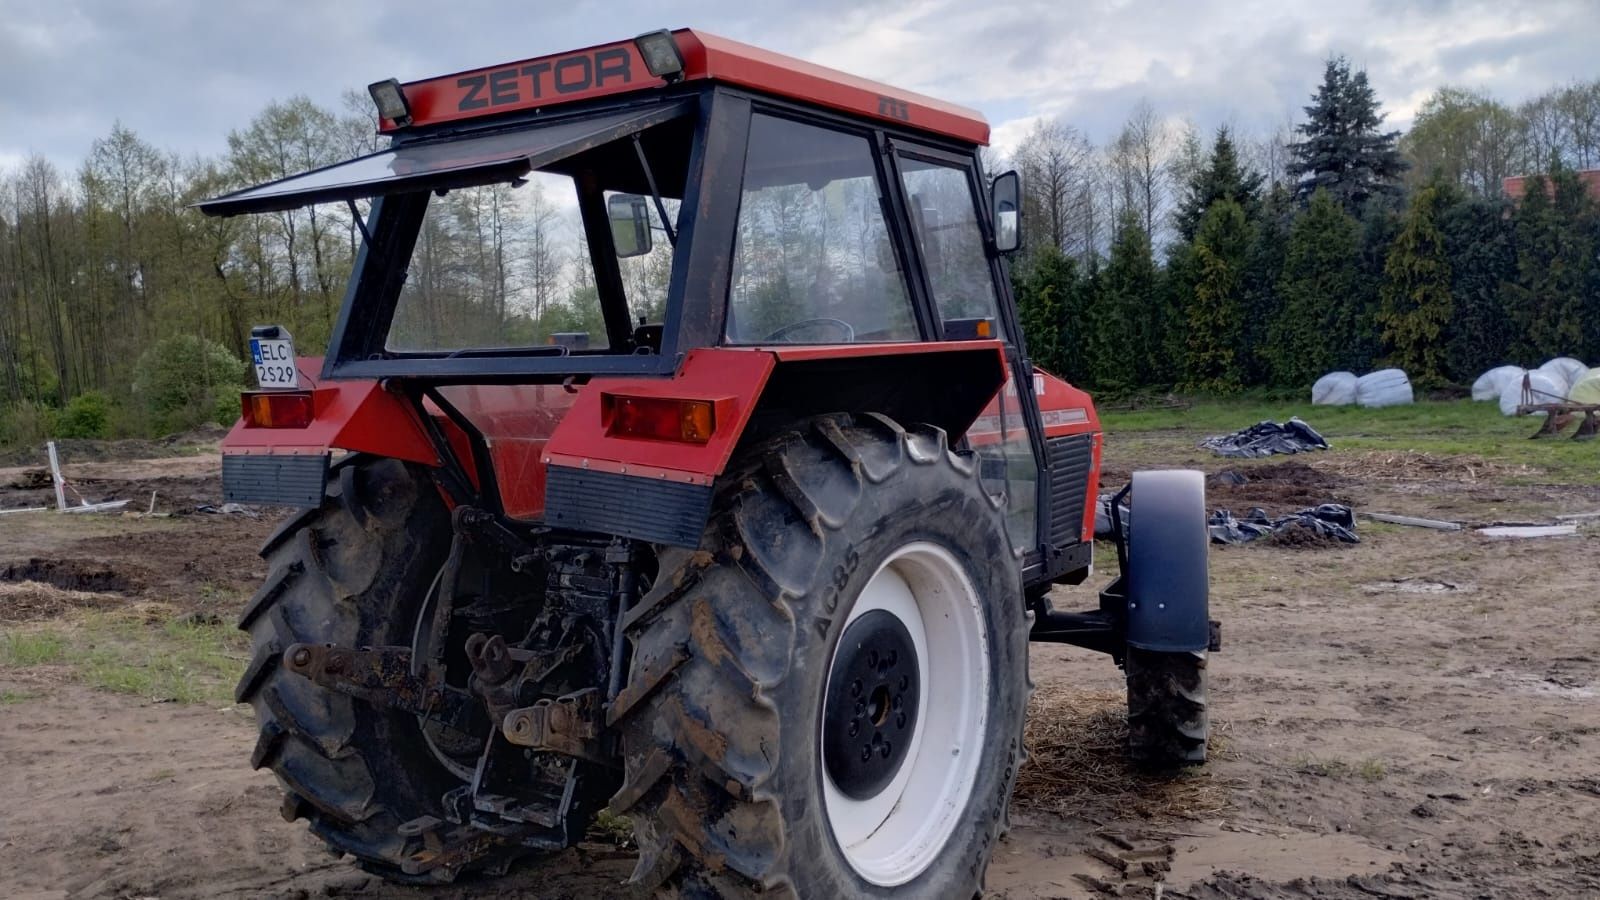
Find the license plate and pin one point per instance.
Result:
(274, 359)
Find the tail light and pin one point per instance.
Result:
(276, 409)
(661, 418)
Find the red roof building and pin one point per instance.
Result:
(1517, 185)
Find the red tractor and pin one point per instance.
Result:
(753, 562)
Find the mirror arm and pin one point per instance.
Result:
(655, 193)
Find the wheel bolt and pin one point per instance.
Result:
(900, 721)
(866, 753)
(905, 682)
(894, 657)
(872, 658)
(899, 701)
(855, 727)
(861, 709)
(855, 688)
(301, 658)
(884, 749)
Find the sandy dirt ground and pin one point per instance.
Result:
(1416, 716)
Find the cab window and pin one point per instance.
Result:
(813, 262)
(945, 222)
(487, 272)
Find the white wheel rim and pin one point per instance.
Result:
(896, 834)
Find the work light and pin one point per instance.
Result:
(391, 101)
(661, 55)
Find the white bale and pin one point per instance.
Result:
(1385, 387)
(1587, 388)
(1334, 389)
(1545, 390)
(1488, 385)
(1564, 371)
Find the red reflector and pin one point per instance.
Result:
(664, 419)
(276, 409)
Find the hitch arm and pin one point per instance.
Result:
(382, 676)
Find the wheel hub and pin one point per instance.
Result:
(870, 713)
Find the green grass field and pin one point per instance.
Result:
(1448, 428)
(178, 660)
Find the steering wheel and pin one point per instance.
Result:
(845, 328)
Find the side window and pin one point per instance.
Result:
(945, 220)
(813, 262)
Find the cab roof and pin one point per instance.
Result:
(618, 68)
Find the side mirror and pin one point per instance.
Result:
(1005, 198)
(630, 224)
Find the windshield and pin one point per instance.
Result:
(529, 262)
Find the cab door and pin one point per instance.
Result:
(965, 282)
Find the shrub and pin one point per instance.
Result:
(182, 382)
(87, 415)
(24, 423)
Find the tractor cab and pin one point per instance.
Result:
(676, 452)
(661, 207)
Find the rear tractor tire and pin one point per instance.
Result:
(826, 699)
(352, 572)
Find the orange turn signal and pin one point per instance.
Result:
(660, 418)
(276, 409)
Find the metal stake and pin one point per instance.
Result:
(55, 476)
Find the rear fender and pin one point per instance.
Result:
(287, 466)
(660, 491)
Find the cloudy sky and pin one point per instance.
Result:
(183, 73)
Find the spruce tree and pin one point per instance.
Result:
(1553, 293)
(1416, 302)
(1050, 305)
(1321, 274)
(1343, 151)
(1380, 227)
(1263, 268)
(1119, 334)
(1479, 242)
(1175, 294)
(1211, 360)
(1222, 178)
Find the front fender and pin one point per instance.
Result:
(1168, 583)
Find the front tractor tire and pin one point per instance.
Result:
(1168, 545)
(826, 698)
(352, 572)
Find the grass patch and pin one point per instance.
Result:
(611, 828)
(1369, 769)
(1445, 428)
(31, 648)
(173, 660)
(8, 697)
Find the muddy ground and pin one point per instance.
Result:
(1416, 716)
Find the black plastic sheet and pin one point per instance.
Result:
(1266, 439)
(1332, 520)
